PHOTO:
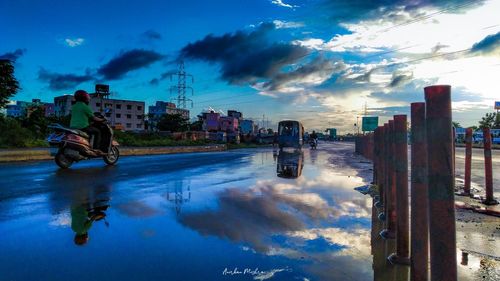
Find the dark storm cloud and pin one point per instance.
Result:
(151, 35)
(63, 81)
(489, 45)
(128, 61)
(400, 79)
(245, 57)
(13, 56)
(319, 66)
(163, 76)
(352, 10)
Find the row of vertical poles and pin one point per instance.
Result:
(432, 187)
(364, 145)
(488, 169)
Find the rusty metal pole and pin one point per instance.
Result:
(385, 139)
(375, 160)
(441, 183)
(488, 171)
(390, 214)
(419, 269)
(402, 255)
(468, 161)
(379, 144)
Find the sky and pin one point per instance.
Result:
(323, 62)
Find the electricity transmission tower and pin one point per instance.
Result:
(181, 87)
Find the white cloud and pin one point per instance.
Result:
(287, 24)
(281, 4)
(74, 42)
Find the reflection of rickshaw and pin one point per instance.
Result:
(290, 134)
(290, 164)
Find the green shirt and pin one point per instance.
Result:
(80, 115)
(80, 222)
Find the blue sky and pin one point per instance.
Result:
(318, 61)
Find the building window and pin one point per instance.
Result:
(108, 114)
(108, 105)
(139, 107)
(129, 116)
(129, 125)
(118, 106)
(139, 126)
(129, 106)
(118, 115)
(139, 117)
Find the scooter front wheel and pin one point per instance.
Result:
(112, 157)
(62, 160)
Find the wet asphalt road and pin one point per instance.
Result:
(204, 216)
(207, 216)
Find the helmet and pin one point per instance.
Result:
(82, 96)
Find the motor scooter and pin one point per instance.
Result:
(313, 143)
(71, 145)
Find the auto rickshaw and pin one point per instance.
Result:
(290, 134)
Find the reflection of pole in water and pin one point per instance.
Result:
(178, 195)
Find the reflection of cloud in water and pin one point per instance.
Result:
(356, 242)
(137, 209)
(243, 216)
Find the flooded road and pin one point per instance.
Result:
(236, 215)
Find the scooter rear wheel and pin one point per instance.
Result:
(63, 161)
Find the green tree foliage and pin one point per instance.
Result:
(8, 83)
(456, 124)
(173, 123)
(13, 133)
(490, 120)
(196, 126)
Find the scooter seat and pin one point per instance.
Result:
(81, 133)
(59, 127)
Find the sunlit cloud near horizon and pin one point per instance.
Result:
(321, 61)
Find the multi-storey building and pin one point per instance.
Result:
(24, 108)
(127, 115)
(162, 107)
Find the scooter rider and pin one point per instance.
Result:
(81, 114)
(314, 136)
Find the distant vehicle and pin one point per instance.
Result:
(290, 134)
(313, 143)
(478, 137)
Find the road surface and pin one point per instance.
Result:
(205, 216)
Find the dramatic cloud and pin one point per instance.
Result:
(128, 61)
(74, 42)
(245, 57)
(400, 79)
(59, 82)
(13, 56)
(488, 46)
(390, 10)
(317, 70)
(151, 35)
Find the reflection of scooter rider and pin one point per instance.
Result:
(82, 219)
(81, 113)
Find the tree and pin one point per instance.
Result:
(173, 123)
(8, 82)
(197, 125)
(490, 120)
(456, 124)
